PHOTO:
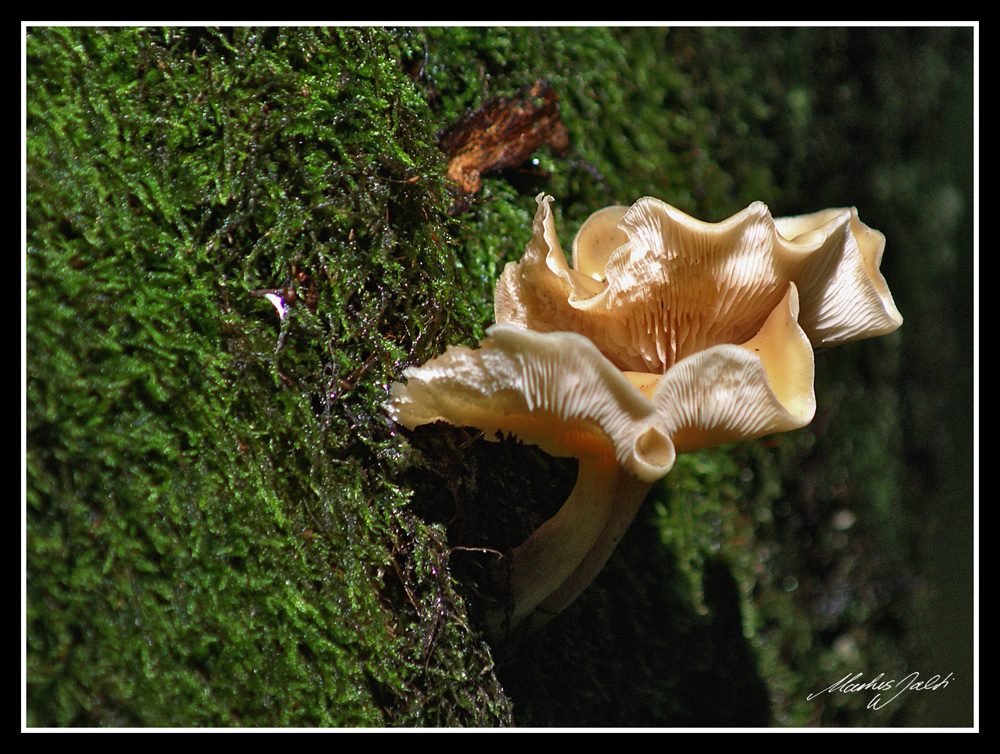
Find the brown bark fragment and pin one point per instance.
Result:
(502, 134)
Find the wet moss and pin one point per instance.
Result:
(213, 530)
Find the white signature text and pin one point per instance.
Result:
(850, 684)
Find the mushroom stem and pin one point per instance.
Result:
(555, 551)
(628, 495)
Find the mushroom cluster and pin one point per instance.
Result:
(665, 335)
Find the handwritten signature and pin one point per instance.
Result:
(850, 684)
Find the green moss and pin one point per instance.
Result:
(213, 538)
(223, 529)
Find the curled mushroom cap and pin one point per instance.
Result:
(650, 285)
(553, 390)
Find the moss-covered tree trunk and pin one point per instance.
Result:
(224, 529)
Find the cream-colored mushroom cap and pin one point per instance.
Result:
(845, 295)
(651, 285)
(553, 390)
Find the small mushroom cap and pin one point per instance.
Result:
(651, 285)
(845, 296)
(553, 390)
(599, 236)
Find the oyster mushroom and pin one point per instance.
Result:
(665, 335)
